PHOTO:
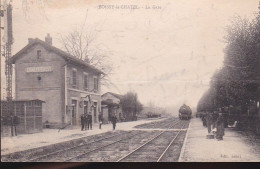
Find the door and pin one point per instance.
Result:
(95, 112)
(74, 112)
(85, 107)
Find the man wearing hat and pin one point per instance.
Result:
(220, 127)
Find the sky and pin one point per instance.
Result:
(167, 55)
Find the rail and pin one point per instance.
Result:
(77, 146)
(164, 152)
(124, 157)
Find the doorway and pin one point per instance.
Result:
(74, 112)
(85, 107)
(95, 112)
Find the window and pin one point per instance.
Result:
(37, 104)
(85, 107)
(74, 78)
(85, 76)
(39, 54)
(29, 104)
(95, 84)
(74, 112)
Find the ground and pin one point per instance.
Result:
(52, 136)
(234, 147)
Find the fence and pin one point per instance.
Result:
(25, 115)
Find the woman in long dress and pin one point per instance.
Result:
(220, 127)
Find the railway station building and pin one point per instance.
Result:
(111, 106)
(68, 86)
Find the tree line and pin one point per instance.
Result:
(237, 83)
(131, 106)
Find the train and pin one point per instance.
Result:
(153, 115)
(185, 112)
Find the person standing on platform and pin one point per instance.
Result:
(113, 120)
(86, 121)
(15, 123)
(220, 127)
(82, 119)
(100, 120)
(209, 121)
(90, 121)
(215, 118)
(204, 119)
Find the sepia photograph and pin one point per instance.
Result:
(130, 80)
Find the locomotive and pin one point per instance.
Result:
(185, 112)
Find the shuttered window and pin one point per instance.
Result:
(74, 78)
(95, 84)
(39, 54)
(85, 77)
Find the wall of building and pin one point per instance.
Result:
(48, 88)
(105, 114)
(80, 78)
(79, 93)
(116, 109)
(51, 108)
(55, 85)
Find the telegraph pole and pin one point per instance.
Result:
(7, 52)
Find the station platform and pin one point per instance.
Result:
(234, 147)
(53, 136)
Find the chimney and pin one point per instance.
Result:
(48, 39)
(30, 40)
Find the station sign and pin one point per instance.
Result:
(39, 69)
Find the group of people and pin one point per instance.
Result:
(214, 122)
(86, 121)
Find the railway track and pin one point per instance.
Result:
(154, 149)
(112, 152)
(173, 150)
(45, 151)
(161, 124)
(126, 146)
(86, 155)
(78, 150)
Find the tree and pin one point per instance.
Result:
(81, 43)
(206, 103)
(242, 59)
(242, 40)
(238, 81)
(131, 105)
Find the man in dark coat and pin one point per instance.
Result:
(113, 120)
(82, 119)
(100, 120)
(86, 121)
(215, 118)
(209, 121)
(90, 121)
(204, 120)
(220, 127)
(15, 122)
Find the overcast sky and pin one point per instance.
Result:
(166, 55)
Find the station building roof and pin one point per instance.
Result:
(114, 94)
(106, 102)
(65, 55)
